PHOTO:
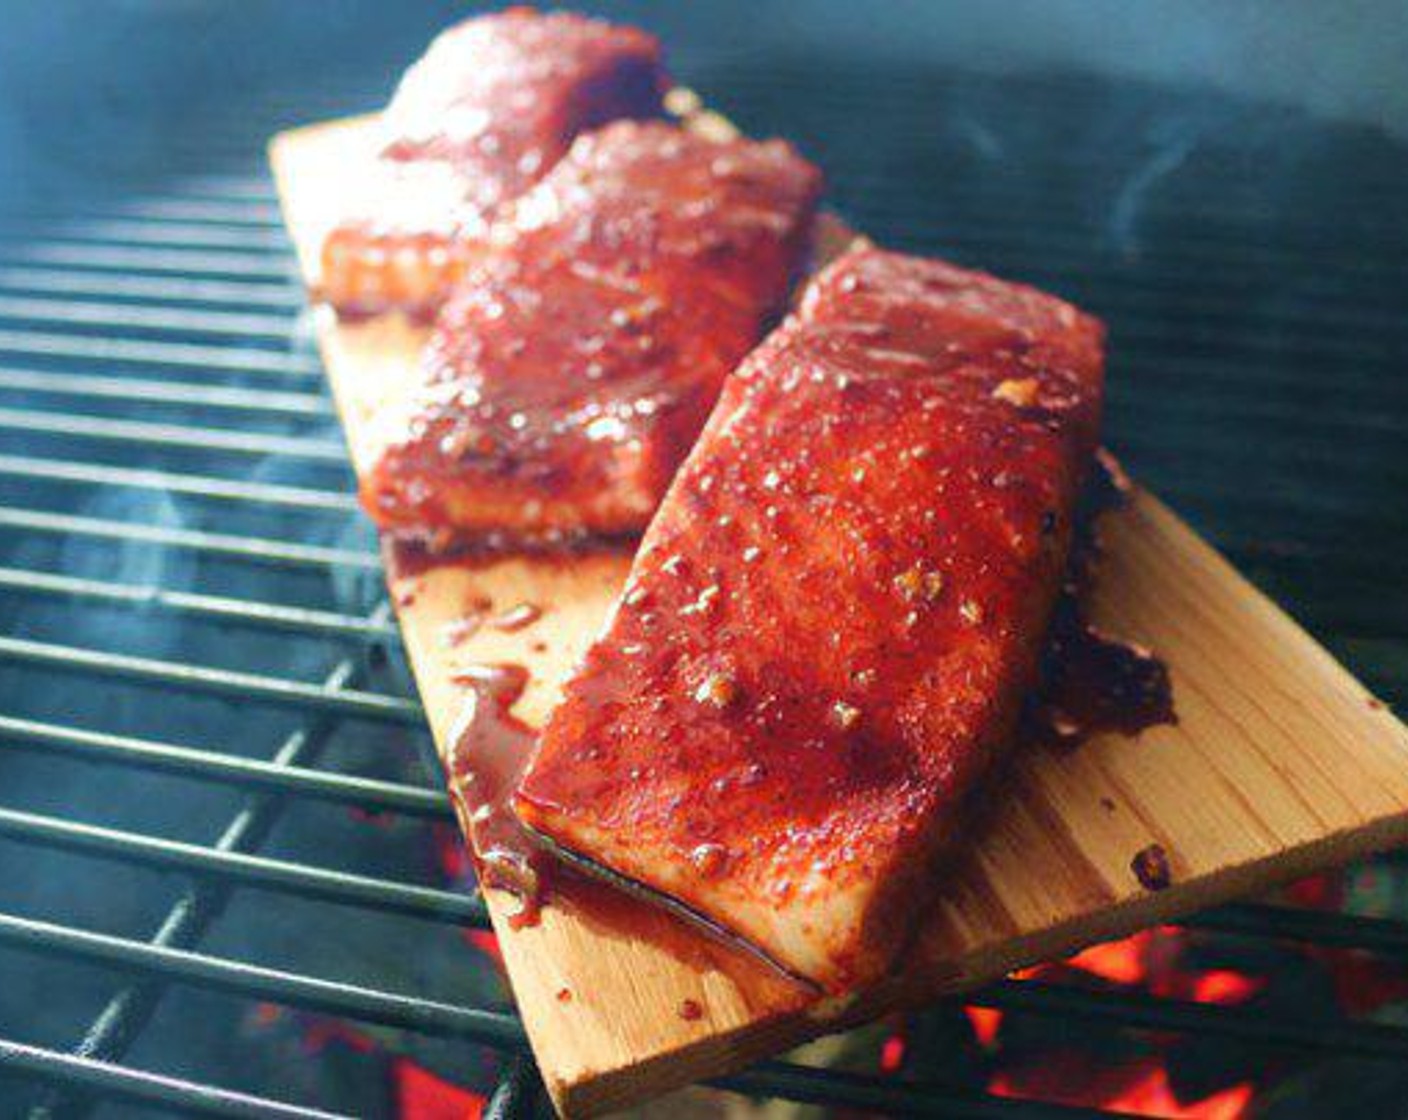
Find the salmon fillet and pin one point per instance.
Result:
(572, 371)
(835, 615)
(490, 108)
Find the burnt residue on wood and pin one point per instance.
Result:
(1091, 682)
(1150, 867)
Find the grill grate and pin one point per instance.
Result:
(189, 595)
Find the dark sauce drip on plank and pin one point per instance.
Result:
(488, 753)
(1091, 682)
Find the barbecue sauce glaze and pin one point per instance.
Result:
(1118, 687)
(832, 622)
(492, 106)
(489, 750)
(563, 385)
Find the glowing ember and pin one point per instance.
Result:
(420, 1095)
(892, 1054)
(321, 1033)
(1120, 962)
(1155, 961)
(416, 1092)
(485, 941)
(452, 854)
(1145, 1092)
(985, 1021)
(1224, 986)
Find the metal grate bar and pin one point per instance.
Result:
(1346, 931)
(1253, 372)
(1251, 375)
(1250, 211)
(127, 258)
(271, 495)
(255, 549)
(1370, 1040)
(229, 441)
(217, 682)
(145, 391)
(1204, 222)
(1241, 201)
(1249, 400)
(351, 1001)
(26, 280)
(231, 186)
(517, 1093)
(179, 355)
(893, 1096)
(1205, 304)
(1099, 273)
(1255, 341)
(127, 316)
(106, 233)
(189, 762)
(186, 208)
(186, 1098)
(249, 612)
(244, 237)
(1277, 499)
(1077, 239)
(1182, 421)
(282, 876)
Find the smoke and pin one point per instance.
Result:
(1167, 158)
(1342, 61)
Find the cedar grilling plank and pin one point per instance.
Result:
(490, 108)
(833, 619)
(572, 371)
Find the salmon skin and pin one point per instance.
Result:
(834, 618)
(572, 371)
(490, 108)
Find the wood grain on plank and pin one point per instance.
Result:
(1280, 763)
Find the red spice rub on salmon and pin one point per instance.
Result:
(493, 105)
(571, 373)
(833, 619)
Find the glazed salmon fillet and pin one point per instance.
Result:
(490, 108)
(835, 616)
(570, 374)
